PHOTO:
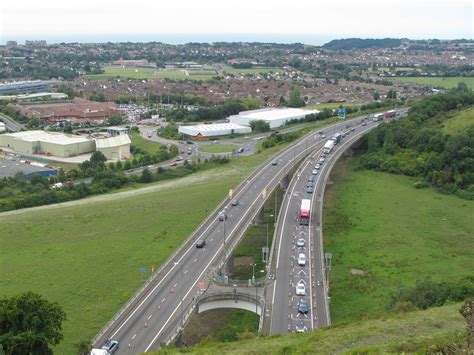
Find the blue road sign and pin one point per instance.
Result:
(143, 269)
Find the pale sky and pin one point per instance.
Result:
(34, 19)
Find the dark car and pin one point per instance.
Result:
(111, 346)
(274, 163)
(200, 243)
(302, 306)
(352, 129)
(189, 142)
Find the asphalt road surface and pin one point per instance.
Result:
(154, 314)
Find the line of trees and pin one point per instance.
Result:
(417, 146)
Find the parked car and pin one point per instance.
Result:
(300, 243)
(300, 289)
(110, 346)
(303, 306)
(200, 243)
(302, 259)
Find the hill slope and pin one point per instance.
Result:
(419, 331)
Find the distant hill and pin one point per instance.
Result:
(436, 330)
(360, 43)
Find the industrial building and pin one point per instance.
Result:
(210, 130)
(115, 148)
(276, 117)
(9, 168)
(47, 143)
(26, 87)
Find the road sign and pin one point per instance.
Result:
(143, 270)
(341, 113)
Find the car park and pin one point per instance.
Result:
(110, 346)
(234, 203)
(303, 306)
(200, 243)
(302, 259)
(314, 172)
(300, 289)
(309, 189)
(300, 243)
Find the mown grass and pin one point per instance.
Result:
(144, 144)
(379, 224)
(459, 122)
(236, 71)
(447, 83)
(149, 73)
(415, 332)
(217, 148)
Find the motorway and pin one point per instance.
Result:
(284, 301)
(149, 318)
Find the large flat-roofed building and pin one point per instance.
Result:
(210, 130)
(9, 168)
(276, 117)
(72, 111)
(47, 143)
(115, 148)
(25, 87)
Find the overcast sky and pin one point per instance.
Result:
(64, 19)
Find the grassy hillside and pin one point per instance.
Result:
(459, 122)
(383, 233)
(410, 332)
(75, 254)
(446, 83)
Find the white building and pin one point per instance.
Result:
(210, 130)
(114, 148)
(276, 117)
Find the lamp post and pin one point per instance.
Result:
(225, 250)
(256, 293)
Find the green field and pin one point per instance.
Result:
(460, 121)
(72, 255)
(230, 70)
(420, 332)
(446, 83)
(144, 144)
(218, 148)
(384, 233)
(151, 73)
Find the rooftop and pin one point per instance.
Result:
(48, 137)
(271, 114)
(215, 127)
(8, 168)
(113, 141)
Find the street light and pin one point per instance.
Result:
(256, 293)
(225, 251)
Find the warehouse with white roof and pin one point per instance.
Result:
(47, 143)
(276, 117)
(210, 130)
(115, 148)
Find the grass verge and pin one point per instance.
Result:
(384, 234)
(217, 148)
(427, 331)
(144, 144)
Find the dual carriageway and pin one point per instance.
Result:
(158, 310)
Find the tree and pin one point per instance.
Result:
(462, 87)
(260, 126)
(147, 176)
(98, 158)
(376, 96)
(83, 347)
(29, 324)
(391, 94)
(295, 99)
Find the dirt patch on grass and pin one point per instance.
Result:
(357, 272)
(243, 261)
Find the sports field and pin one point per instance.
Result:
(446, 83)
(384, 233)
(151, 73)
(235, 71)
